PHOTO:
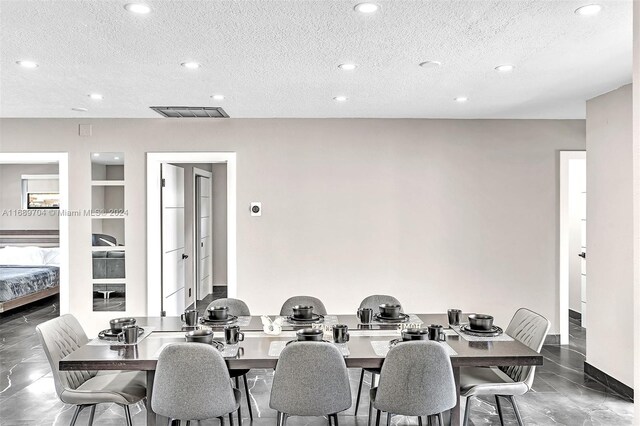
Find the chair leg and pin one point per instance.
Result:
(440, 419)
(284, 419)
(239, 416)
(75, 415)
(515, 409)
(389, 419)
(335, 420)
(92, 415)
(499, 408)
(359, 392)
(429, 422)
(221, 420)
(419, 420)
(231, 419)
(377, 417)
(127, 415)
(246, 389)
(370, 418)
(278, 414)
(467, 407)
(188, 422)
(330, 417)
(169, 421)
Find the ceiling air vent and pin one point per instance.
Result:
(190, 112)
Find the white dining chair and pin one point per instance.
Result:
(530, 329)
(85, 389)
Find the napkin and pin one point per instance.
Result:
(271, 326)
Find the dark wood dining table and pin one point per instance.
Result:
(254, 350)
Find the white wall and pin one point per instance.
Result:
(610, 234)
(11, 197)
(441, 213)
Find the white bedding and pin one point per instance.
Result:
(30, 256)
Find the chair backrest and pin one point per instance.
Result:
(311, 379)
(192, 383)
(318, 306)
(236, 306)
(530, 329)
(416, 380)
(375, 300)
(60, 337)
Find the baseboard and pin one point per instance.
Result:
(575, 315)
(610, 382)
(552, 339)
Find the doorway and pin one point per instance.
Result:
(573, 243)
(194, 248)
(61, 159)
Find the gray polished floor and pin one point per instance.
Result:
(562, 394)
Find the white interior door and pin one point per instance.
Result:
(173, 259)
(204, 255)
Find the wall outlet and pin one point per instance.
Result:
(85, 130)
(256, 209)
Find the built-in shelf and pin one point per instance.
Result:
(107, 227)
(107, 248)
(109, 281)
(107, 183)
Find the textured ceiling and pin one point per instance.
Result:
(279, 58)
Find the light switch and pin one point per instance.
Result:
(256, 209)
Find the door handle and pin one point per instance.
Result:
(583, 255)
(184, 256)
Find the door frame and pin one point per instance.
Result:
(154, 253)
(196, 227)
(62, 159)
(563, 240)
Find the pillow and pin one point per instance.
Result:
(51, 256)
(27, 256)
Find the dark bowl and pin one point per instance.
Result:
(309, 335)
(480, 322)
(218, 312)
(303, 312)
(116, 324)
(390, 311)
(200, 336)
(415, 334)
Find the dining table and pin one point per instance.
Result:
(256, 350)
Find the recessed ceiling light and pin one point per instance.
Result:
(96, 154)
(347, 67)
(96, 96)
(116, 158)
(340, 99)
(27, 64)
(79, 109)
(430, 64)
(588, 10)
(191, 65)
(139, 8)
(218, 97)
(366, 8)
(461, 99)
(505, 68)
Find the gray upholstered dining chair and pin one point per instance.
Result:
(239, 308)
(311, 379)
(530, 329)
(318, 306)
(373, 302)
(192, 383)
(85, 389)
(416, 380)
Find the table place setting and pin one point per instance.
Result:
(122, 332)
(339, 336)
(480, 328)
(434, 332)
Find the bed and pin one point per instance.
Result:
(29, 267)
